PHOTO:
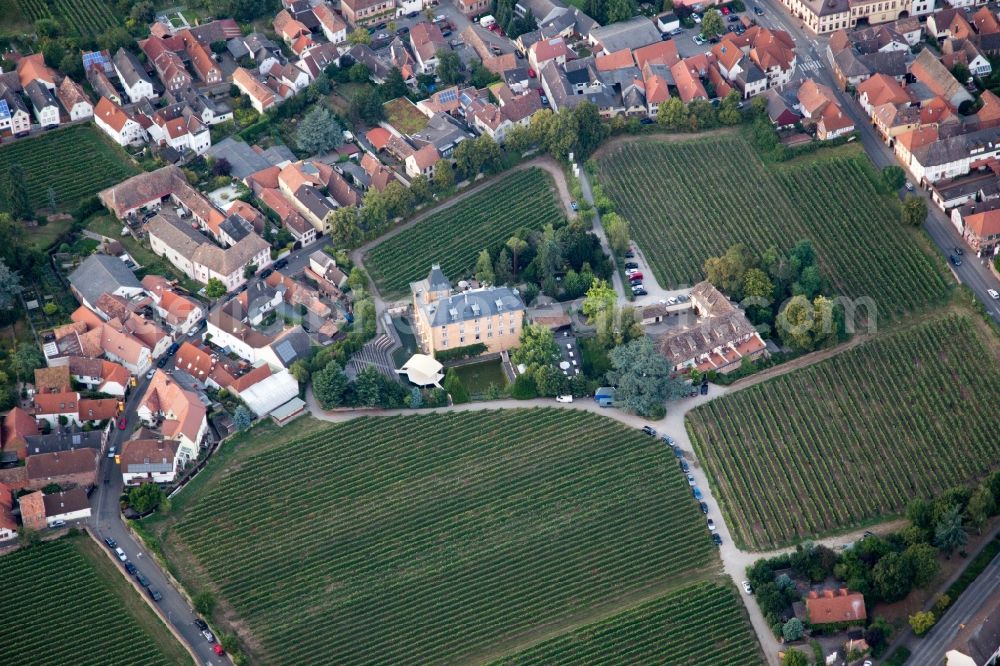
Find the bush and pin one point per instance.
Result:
(204, 603)
(793, 630)
(921, 622)
(454, 386)
(524, 388)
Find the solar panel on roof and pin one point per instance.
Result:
(449, 96)
(466, 99)
(285, 350)
(4, 109)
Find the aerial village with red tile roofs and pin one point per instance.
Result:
(500, 331)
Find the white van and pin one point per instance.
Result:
(564, 398)
(487, 21)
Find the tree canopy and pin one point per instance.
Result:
(643, 376)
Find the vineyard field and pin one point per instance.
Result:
(699, 624)
(435, 538)
(76, 162)
(690, 200)
(69, 614)
(88, 17)
(454, 236)
(854, 437)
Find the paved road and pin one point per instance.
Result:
(931, 649)
(104, 522)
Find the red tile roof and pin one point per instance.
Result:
(664, 53)
(617, 60)
(110, 114)
(98, 409)
(57, 403)
(835, 606)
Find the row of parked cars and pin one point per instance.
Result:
(686, 469)
(153, 593)
(633, 274)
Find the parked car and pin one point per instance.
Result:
(57, 523)
(684, 465)
(122, 422)
(633, 273)
(747, 588)
(635, 282)
(200, 623)
(631, 264)
(711, 525)
(697, 493)
(629, 254)
(959, 251)
(564, 398)
(704, 389)
(678, 452)
(716, 538)
(909, 186)
(111, 452)
(639, 291)
(698, 39)
(545, 100)
(121, 554)
(112, 544)
(154, 594)
(149, 375)
(142, 580)
(733, 18)
(649, 430)
(725, 11)
(955, 260)
(209, 636)
(130, 568)
(696, 18)
(266, 273)
(758, 11)
(703, 507)
(162, 362)
(994, 294)
(217, 649)
(280, 263)
(668, 439)
(691, 481)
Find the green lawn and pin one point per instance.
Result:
(436, 538)
(404, 116)
(75, 162)
(477, 377)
